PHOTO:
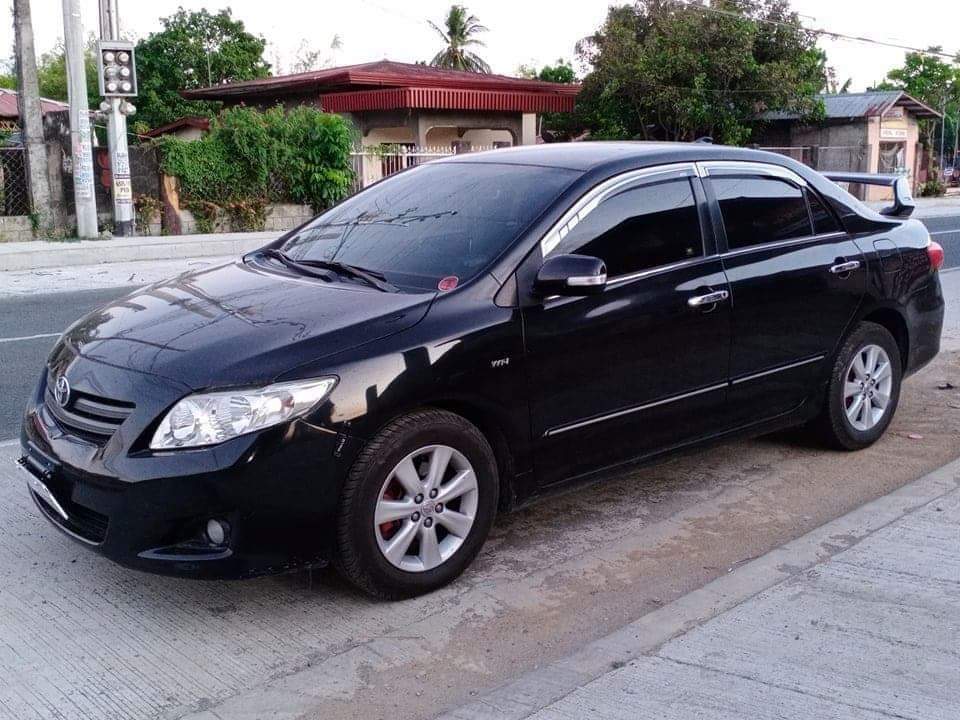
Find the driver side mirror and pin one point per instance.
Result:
(571, 275)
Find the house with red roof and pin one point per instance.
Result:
(413, 105)
(10, 112)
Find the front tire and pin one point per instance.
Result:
(864, 388)
(417, 505)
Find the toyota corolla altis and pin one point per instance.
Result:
(375, 386)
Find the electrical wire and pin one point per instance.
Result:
(823, 31)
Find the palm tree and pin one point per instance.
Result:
(459, 35)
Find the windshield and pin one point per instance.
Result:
(438, 222)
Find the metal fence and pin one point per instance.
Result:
(14, 198)
(374, 163)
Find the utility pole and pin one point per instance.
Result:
(115, 108)
(31, 116)
(956, 139)
(83, 190)
(943, 133)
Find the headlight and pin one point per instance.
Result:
(211, 418)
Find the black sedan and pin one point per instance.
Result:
(375, 386)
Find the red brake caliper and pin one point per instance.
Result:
(393, 492)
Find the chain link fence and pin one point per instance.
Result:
(14, 199)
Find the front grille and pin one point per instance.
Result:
(89, 415)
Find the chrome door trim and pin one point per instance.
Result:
(674, 398)
(751, 167)
(627, 411)
(597, 194)
(764, 373)
(786, 243)
(650, 272)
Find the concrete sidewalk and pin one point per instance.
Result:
(47, 254)
(858, 619)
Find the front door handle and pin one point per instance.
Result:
(702, 301)
(845, 267)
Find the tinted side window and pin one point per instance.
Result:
(823, 220)
(760, 210)
(640, 228)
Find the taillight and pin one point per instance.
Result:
(935, 253)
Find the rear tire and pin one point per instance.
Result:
(864, 389)
(396, 535)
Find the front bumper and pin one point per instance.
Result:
(277, 492)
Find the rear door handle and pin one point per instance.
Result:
(700, 301)
(845, 267)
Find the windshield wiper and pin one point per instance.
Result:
(371, 277)
(285, 259)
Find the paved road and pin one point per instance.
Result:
(946, 231)
(785, 636)
(81, 638)
(28, 328)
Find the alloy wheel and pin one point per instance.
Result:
(868, 382)
(426, 508)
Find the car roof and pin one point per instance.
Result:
(599, 155)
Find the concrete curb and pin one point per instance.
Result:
(45, 254)
(537, 689)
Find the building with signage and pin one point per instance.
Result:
(875, 132)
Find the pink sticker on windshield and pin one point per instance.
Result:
(448, 283)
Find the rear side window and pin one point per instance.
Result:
(758, 210)
(640, 228)
(823, 220)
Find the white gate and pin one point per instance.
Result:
(375, 162)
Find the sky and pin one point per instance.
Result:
(533, 32)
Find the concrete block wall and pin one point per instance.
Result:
(280, 217)
(15, 228)
(286, 216)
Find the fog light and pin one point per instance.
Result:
(217, 532)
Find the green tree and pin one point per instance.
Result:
(194, 49)
(52, 73)
(8, 77)
(554, 126)
(673, 70)
(251, 156)
(562, 72)
(459, 33)
(935, 82)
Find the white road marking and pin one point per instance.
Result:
(946, 232)
(29, 337)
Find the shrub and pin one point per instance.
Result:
(148, 210)
(249, 158)
(933, 187)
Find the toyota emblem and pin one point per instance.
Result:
(61, 391)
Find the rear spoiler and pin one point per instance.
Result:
(903, 203)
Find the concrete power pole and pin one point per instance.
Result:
(943, 132)
(31, 116)
(83, 189)
(123, 217)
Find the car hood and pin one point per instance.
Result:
(238, 324)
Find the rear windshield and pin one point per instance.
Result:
(434, 222)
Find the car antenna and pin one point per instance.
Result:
(705, 140)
